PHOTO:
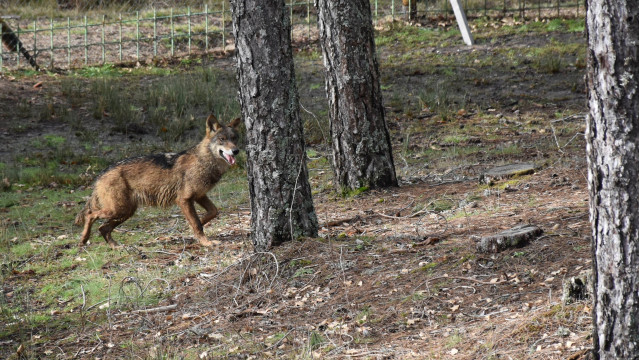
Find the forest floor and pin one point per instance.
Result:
(394, 273)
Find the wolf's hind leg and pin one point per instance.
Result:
(108, 227)
(89, 219)
(211, 210)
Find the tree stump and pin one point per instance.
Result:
(577, 287)
(516, 237)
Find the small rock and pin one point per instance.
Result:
(562, 331)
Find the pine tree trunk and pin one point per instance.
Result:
(281, 202)
(613, 161)
(362, 154)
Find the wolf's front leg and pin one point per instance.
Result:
(188, 208)
(211, 210)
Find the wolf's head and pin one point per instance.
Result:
(222, 138)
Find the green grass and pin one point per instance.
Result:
(173, 108)
(37, 239)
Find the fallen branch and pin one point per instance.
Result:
(403, 217)
(342, 221)
(460, 278)
(152, 310)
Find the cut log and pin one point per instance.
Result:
(506, 172)
(516, 237)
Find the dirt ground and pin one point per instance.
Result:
(392, 275)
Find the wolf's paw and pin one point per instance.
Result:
(206, 242)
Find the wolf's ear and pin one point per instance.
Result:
(235, 122)
(211, 124)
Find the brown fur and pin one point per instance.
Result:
(12, 43)
(163, 180)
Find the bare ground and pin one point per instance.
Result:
(391, 275)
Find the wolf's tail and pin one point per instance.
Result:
(12, 43)
(88, 207)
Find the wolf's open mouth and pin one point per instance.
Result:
(228, 157)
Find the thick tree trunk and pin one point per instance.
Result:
(281, 202)
(613, 175)
(362, 154)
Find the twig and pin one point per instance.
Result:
(460, 278)
(403, 217)
(489, 314)
(98, 303)
(168, 285)
(570, 117)
(554, 135)
(84, 298)
(290, 210)
(319, 126)
(152, 310)
(277, 342)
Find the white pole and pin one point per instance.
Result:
(461, 20)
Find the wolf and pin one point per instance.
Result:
(162, 180)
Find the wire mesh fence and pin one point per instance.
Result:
(161, 33)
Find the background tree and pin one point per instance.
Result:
(362, 154)
(281, 202)
(613, 160)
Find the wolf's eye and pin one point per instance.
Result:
(223, 138)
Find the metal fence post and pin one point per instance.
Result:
(18, 44)
(206, 27)
(155, 33)
(35, 40)
(120, 36)
(172, 34)
(1, 50)
(393, 10)
(223, 27)
(376, 13)
(137, 35)
(188, 10)
(539, 9)
(51, 33)
(86, 42)
(308, 19)
(103, 48)
(68, 42)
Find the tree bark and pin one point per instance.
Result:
(362, 154)
(613, 173)
(281, 202)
